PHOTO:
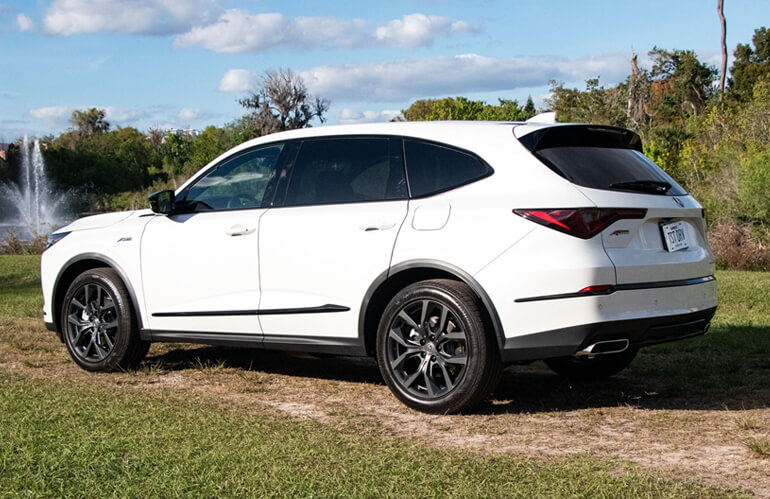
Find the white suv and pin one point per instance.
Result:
(443, 249)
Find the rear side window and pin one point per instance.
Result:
(600, 158)
(433, 168)
(347, 170)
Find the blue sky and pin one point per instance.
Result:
(176, 63)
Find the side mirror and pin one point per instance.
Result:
(162, 202)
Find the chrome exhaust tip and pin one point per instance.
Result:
(604, 347)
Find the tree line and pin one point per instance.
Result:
(712, 139)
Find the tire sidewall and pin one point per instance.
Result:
(126, 329)
(476, 347)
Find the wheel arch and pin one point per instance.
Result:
(76, 266)
(390, 282)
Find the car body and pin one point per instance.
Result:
(547, 238)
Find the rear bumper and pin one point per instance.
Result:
(639, 332)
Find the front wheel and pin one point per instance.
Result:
(434, 348)
(98, 324)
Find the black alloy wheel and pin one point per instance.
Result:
(434, 348)
(98, 323)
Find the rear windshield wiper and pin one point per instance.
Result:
(651, 186)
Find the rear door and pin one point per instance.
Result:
(607, 165)
(319, 252)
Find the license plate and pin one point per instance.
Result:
(675, 236)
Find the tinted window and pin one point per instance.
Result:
(608, 168)
(350, 170)
(600, 157)
(239, 182)
(433, 168)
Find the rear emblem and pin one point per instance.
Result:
(677, 201)
(124, 239)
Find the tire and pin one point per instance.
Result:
(592, 368)
(435, 350)
(98, 323)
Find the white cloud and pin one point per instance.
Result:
(146, 17)
(236, 80)
(58, 116)
(188, 114)
(351, 115)
(121, 116)
(238, 31)
(418, 30)
(24, 23)
(53, 115)
(398, 81)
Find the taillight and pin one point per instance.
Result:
(584, 223)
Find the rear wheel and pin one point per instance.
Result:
(434, 349)
(592, 367)
(98, 323)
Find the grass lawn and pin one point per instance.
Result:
(64, 432)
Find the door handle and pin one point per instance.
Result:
(374, 226)
(239, 230)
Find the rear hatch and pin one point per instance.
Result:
(668, 240)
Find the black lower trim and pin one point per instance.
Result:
(108, 262)
(622, 287)
(664, 284)
(311, 344)
(640, 332)
(51, 327)
(435, 265)
(270, 311)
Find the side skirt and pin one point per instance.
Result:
(311, 344)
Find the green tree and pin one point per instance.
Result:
(89, 121)
(208, 145)
(462, 108)
(681, 84)
(751, 65)
(420, 110)
(598, 105)
(282, 102)
(529, 107)
(177, 151)
(458, 108)
(133, 152)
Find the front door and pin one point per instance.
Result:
(200, 265)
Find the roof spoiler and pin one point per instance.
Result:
(549, 117)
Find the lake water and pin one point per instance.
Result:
(23, 232)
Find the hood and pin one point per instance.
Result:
(97, 221)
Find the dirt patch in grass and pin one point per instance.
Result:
(713, 433)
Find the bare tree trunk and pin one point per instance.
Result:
(721, 10)
(636, 98)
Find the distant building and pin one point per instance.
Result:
(185, 132)
(189, 132)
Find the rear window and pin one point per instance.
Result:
(600, 158)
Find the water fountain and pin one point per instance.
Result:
(35, 202)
